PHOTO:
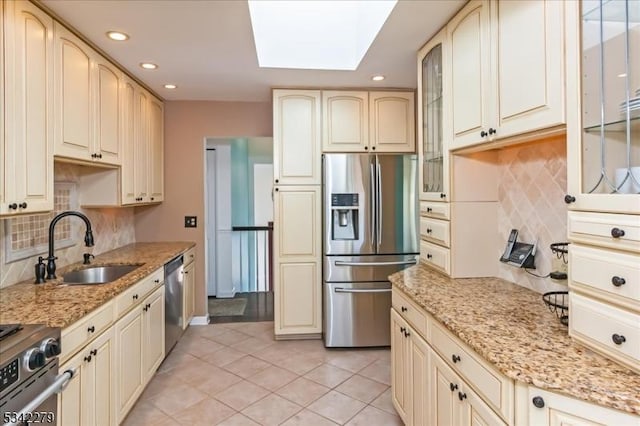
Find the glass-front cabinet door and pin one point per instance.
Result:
(604, 145)
(432, 101)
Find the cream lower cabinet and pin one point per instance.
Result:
(140, 349)
(89, 397)
(297, 246)
(188, 299)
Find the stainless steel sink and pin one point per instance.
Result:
(97, 274)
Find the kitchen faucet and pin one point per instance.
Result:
(51, 259)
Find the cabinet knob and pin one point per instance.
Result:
(13, 206)
(618, 281)
(455, 358)
(462, 396)
(22, 205)
(492, 131)
(276, 189)
(366, 148)
(453, 387)
(91, 329)
(152, 198)
(403, 309)
(402, 329)
(429, 256)
(538, 402)
(87, 358)
(483, 134)
(429, 230)
(617, 232)
(94, 155)
(99, 156)
(407, 334)
(157, 281)
(618, 339)
(135, 297)
(145, 308)
(569, 199)
(94, 352)
(277, 180)
(443, 195)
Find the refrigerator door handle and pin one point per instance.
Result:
(362, 290)
(374, 201)
(401, 262)
(378, 203)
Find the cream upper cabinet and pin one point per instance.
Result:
(603, 123)
(296, 137)
(434, 135)
(392, 122)
(141, 143)
(345, 121)
(26, 172)
(297, 260)
(86, 101)
(368, 121)
(89, 398)
(127, 136)
(507, 69)
(156, 150)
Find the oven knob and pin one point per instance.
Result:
(50, 347)
(33, 359)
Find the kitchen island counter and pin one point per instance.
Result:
(510, 327)
(58, 305)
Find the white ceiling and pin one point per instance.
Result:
(207, 49)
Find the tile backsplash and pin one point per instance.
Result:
(112, 228)
(532, 185)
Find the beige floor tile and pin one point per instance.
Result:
(169, 421)
(372, 416)
(301, 363)
(246, 366)
(361, 388)
(384, 402)
(309, 347)
(275, 354)
(144, 413)
(241, 395)
(252, 345)
(351, 361)
(160, 382)
(302, 391)
(210, 331)
(223, 356)
(272, 377)
(328, 375)
(337, 407)
(238, 420)
(205, 413)
(169, 402)
(176, 359)
(308, 418)
(231, 337)
(197, 371)
(380, 371)
(272, 410)
(217, 383)
(198, 346)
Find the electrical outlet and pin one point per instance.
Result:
(190, 221)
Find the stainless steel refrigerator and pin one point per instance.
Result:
(370, 231)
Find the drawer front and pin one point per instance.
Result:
(409, 311)
(189, 256)
(435, 256)
(609, 274)
(436, 210)
(611, 230)
(435, 230)
(83, 331)
(491, 386)
(134, 294)
(613, 331)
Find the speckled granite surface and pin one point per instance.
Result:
(510, 327)
(59, 305)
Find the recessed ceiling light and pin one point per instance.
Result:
(117, 36)
(377, 78)
(170, 86)
(622, 75)
(322, 35)
(148, 65)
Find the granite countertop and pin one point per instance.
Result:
(511, 327)
(59, 305)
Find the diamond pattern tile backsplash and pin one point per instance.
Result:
(112, 228)
(533, 182)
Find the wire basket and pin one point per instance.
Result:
(558, 303)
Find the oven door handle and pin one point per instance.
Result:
(57, 386)
(401, 262)
(362, 290)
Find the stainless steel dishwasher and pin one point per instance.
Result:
(173, 312)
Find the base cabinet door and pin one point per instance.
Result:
(129, 339)
(153, 332)
(297, 298)
(400, 391)
(89, 398)
(188, 294)
(420, 363)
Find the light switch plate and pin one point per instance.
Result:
(190, 221)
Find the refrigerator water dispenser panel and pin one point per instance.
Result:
(344, 218)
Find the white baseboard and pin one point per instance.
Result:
(203, 320)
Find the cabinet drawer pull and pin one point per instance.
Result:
(462, 396)
(618, 339)
(618, 281)
(403, 309)
(455, 358)
(538, 402)
(91, 329)
(453, 387)
(617, 232)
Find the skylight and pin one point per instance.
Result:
(316, 34)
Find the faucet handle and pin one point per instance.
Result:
(40, 270)
(87, 258)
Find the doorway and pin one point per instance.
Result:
(239, 229)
